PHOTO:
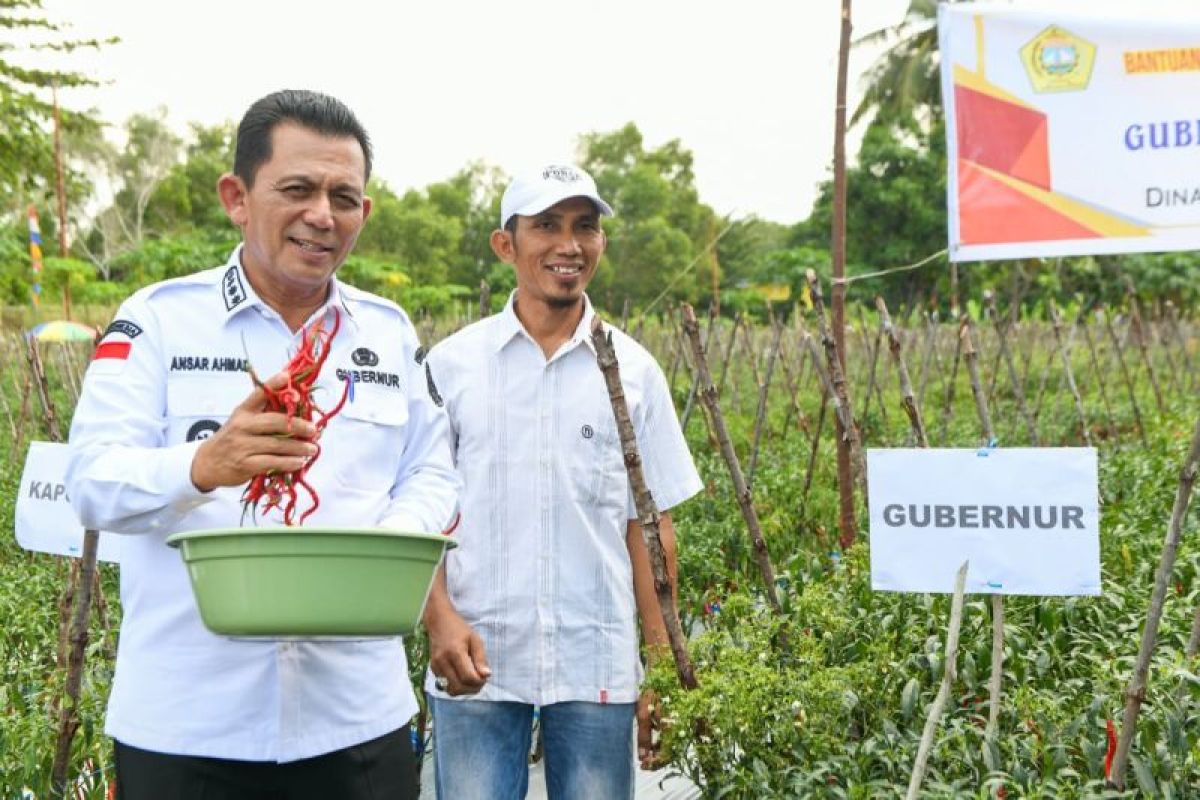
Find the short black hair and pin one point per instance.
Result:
(313, 110)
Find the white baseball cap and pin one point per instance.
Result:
(535, 192)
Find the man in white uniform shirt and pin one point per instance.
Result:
(539, 605)
(167, 433)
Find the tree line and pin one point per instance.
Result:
(147, 210)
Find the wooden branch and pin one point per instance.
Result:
(1015, 380)
(1135, 320)
(1135, 694)
(949, 674)
(606, 358)
(716, 420)
(760, 418)
(485, 299)
(1116, 343)
(907, 402)
(850, 457)
(1064, 350)
(68, 711)
(1098, 374)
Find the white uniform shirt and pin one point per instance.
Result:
(168, 372)
(542, 571)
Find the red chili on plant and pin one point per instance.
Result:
(295, 399)
(1111, 729)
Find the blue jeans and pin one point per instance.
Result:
(481, 749)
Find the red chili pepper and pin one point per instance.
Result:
(1112, 748)
(280, 490)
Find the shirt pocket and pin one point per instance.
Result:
(197, 408)
(601, 481)
(365, 441)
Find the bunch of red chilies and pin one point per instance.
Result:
(280, 490)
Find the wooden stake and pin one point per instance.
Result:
(716, 420)
(68, 712)
(647, 512)
(1015, 380)
(906, 392)
(760, 418)
(847, 441)
(1065, 351)
(1116, 343)
(1098, 374)
(949, 674)
(1135, 694)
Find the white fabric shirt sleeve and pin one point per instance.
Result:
(120, 477)
(425, 494)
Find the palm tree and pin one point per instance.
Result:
(904, 79)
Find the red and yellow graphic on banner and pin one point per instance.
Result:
(1071, 129)
(1005, 190)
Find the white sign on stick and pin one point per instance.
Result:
(1027, 520)
(45, 521)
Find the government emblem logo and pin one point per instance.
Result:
(1057, 60)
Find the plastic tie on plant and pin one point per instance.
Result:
(987, 449)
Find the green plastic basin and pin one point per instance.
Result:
(301, 582)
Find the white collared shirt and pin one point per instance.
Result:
(542, 571)
(168, 372)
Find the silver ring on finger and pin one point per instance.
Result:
(442, 683)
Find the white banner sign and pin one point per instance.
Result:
(45, 521)
(1070, 131)
(1027, 520)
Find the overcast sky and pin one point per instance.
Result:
(748, 87)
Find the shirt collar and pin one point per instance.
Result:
(237, 294)
(508, 325)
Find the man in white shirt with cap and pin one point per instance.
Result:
(539, 605)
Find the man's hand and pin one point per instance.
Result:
(456, 653)
(649, 723)
(253, 441)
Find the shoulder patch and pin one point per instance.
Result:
(130, 329)
(232, 289)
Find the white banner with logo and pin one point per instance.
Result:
(1071, 130)
(1027, 520)
(45, 521)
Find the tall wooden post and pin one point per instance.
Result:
(847, 525)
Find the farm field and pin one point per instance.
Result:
(828, 697)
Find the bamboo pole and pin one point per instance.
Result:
(949, 674)
(907, 402)
(1135, 694)
(647, 512)
(708, 397)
